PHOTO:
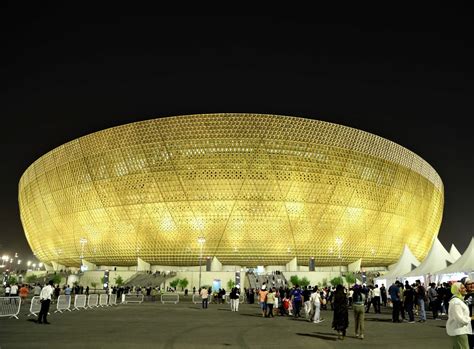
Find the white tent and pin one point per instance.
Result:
(437, 259)
(454, 252)
(464, 266)
(406, 263)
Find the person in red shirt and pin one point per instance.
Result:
(24, 292)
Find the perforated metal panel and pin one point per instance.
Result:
(261, 189)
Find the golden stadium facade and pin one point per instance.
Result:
(261, 190)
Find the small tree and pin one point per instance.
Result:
(231, 284)
(337, 281)
(56, 279)
(119, 281)
(294, 279)
(174, 283)
(183, 283)
(304, 282)
(12, 280)
(31, 279)
(350, 278)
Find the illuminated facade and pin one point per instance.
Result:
(261, 190)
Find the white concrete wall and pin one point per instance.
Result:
(207, 278)
(96, 275)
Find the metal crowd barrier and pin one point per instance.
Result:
(93, 301)
(35, 306)
(103, 300)
(170, 298)
(113, 299)
(197, 298)
(80, 302)
(132, 298)
(63, 303)
(10, 306)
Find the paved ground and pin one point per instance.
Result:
(185, 325)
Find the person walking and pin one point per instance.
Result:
(420, 300)
(262, 298)
(234, 298)
(358, 299)
(24, 293)
(458, 326)
(45, 300)
(408, 302)
(204, 296)
(469, 300)
(394, 292)
(297, 300)
(376, 291)
(340, 320)
(315, 300)
(270, 302)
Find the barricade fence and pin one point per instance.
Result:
(93, 301)
(197, 298)
(170, 298)
(103, 300)
(80, 302)
(35, 306)
(113, 299)
(10, 307)
(63, 303)
(132, 298)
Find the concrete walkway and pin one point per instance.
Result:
(186, 325)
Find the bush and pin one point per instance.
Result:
(174, 283)
(337, 281)
(294, 280)
(350, 278)
(119, 281)
(183, 283)
(56, 279)
(32, 279)
(230, 284)
(304, 282)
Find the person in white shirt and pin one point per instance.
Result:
(376, 299)
(458, 325)
(14, 290)
(204, 296)
(315, 301)
(45, 299)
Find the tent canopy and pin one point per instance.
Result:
(465, 263)
(453, 251)
(437, 259)
(405, 264)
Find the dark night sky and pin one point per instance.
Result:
(405, 77)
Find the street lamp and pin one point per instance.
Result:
(201, 241)
(82, 241)
(339, 244)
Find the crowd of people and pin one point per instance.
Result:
(453, 300)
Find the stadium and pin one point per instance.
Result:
(247, 189)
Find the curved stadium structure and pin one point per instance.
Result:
(261, 190)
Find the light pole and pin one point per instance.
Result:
(82, 241)
(201, 241)
(339, 244)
